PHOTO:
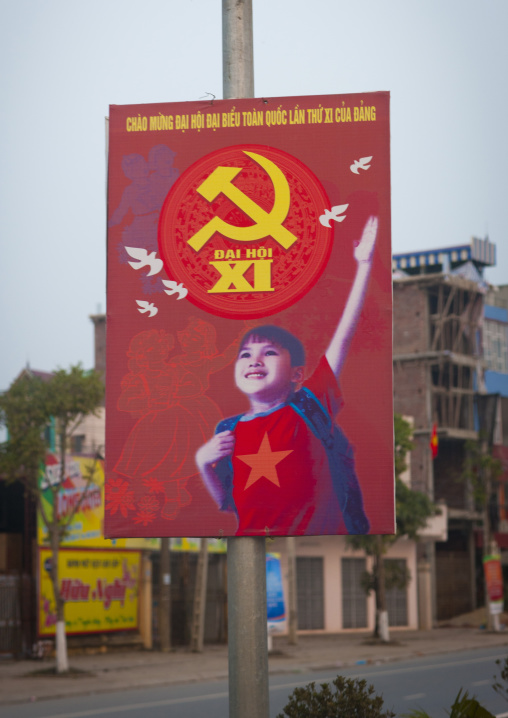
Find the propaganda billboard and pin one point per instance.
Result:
(249, 367)
(100, 589)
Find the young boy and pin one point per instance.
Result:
(284, 467)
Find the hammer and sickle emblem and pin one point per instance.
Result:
(267, 224)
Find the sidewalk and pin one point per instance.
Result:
(22, 681)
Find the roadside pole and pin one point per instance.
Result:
(247, 615)
(237, 49)
(247, 633)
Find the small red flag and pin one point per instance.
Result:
(434, 441)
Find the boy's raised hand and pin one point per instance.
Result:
(365, 247)
(219, 446)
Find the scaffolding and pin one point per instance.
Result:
(455, 314)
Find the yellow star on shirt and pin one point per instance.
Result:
(263, 464)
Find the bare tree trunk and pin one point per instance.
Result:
(381, 630)
(165, 597)
(199, 605)
(292, 608)
(62, 659)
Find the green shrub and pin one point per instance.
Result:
(463, 707)
(343, 698)
(502, 688)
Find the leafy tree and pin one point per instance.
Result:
(482, 471)
(412, 509)
(403, 443)
(28, 409)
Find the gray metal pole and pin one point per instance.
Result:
(237, 49)
(247, 634)
(247, 617)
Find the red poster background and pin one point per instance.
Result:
(153, 430)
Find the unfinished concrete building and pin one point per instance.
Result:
(438, 373)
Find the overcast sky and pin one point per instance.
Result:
(63, 63)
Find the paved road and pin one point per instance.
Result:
(430, 683)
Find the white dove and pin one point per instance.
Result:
(174, 288)
(146, 307)
(333, 213)
(361, 164)
(143, 259)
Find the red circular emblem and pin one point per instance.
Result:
(240, 228)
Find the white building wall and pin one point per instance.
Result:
(93, 429)
(332, 549)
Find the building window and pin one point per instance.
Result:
(309, 593)
(354, 599)
(396, 598)
(495, 341)
(77, 443)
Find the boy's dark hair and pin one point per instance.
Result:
(280, 337)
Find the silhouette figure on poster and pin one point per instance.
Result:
(174, 416)
(163, 174)
(143, 197)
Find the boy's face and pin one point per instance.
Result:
(263, 371)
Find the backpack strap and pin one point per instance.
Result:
(228, 424)
(308, 406)
(224, 467)
(340, 456)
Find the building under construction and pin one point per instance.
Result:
(439, 381)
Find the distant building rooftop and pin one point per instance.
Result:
(43, 375)
(480, 252)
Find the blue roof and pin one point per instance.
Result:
(498, 314)
(496, 383)
(480, 251)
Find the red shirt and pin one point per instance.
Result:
(282, 484)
